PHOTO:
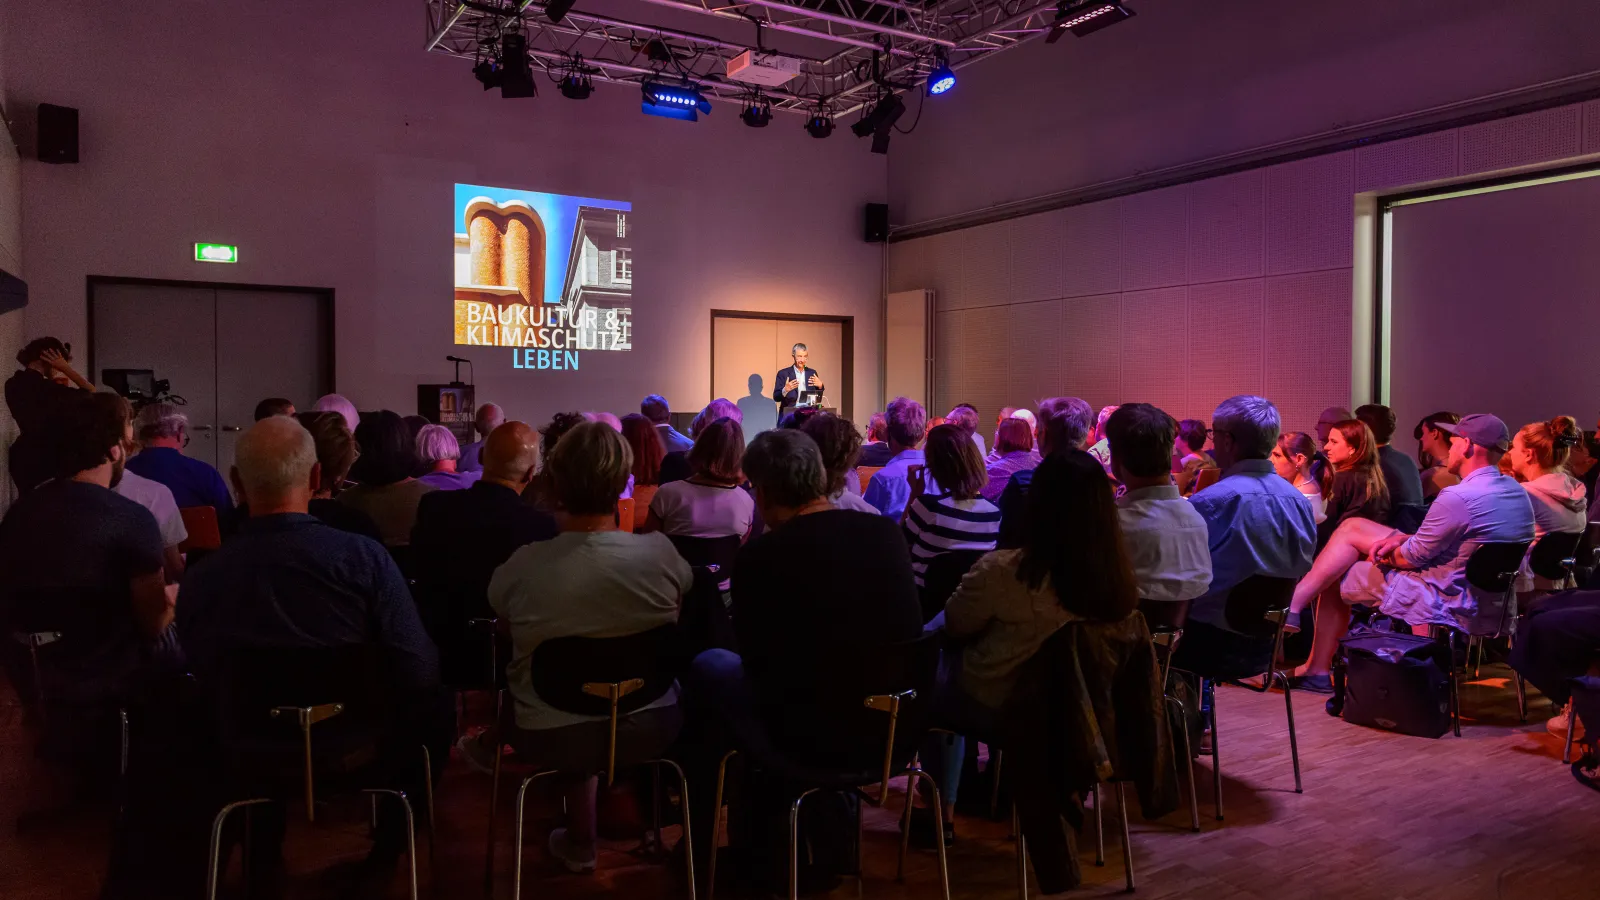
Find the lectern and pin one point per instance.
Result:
(450, 405)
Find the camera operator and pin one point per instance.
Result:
(40, 405)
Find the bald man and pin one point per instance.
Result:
(461, 537)
(288, 581)
(490, 416)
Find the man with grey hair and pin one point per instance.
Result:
(890, 488)
(488, 417)
(1257, 524)
(288, 581)
(965, 417)
(654, 408)
(790, 384)
(339, 404)
(875, 452)
(163, 430)
(1062, 426)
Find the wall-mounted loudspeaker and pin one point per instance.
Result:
(877, 223)
(58, 134)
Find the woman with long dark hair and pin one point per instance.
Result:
(1292, 459)
(645, 442)
(1353, 486)
(387, 491)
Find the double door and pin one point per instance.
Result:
(223, 349)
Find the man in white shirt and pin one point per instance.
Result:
(1165, 537)
(157, 497)
(791, 383)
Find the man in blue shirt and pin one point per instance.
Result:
(164, 432)
(654, 408)
(1257, 524)
(890, 488)
(289, 581)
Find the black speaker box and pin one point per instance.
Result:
(58, 134)
(876, 223)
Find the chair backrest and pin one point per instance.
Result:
(642, 495)
(257, 680)
(1206, 478)
(625, 509)
(1553, 555)
(1253, 601)
(859, 685)
(1493, 566)
(703, 551)
(865, 473)
(204, 532)
(562, 669)
(943, 576)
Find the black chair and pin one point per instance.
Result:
(1554, 556)
(1492, 574)
(1166, 619)
(306, 718)
(702, 551)
(942, 577)
(878, 697)
(607, 677)
(1256, 607)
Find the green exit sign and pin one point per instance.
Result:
(218, 253)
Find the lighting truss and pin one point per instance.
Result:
(841, 42)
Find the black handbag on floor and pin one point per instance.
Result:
(1397, 682)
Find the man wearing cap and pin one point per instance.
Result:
(1420, 578)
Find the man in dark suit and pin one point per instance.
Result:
(788, 383)
(460, 539)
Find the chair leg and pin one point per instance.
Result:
(1522, 701)
(1572, 725)
(794, 845)
(1127, 840)
(1294, 742)
(494, 799)
(522, 793)
(905, 827)
(427, 794)
(1188, 761)
(1216, 757)
(214, 873)
(938, 830)
(716, 824)
(1455, 689)
(1022, 855)
(1099, 830)
(996, 758)
(688, 832)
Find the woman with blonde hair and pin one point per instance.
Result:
(1292, 457)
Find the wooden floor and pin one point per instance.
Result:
(1487, 816)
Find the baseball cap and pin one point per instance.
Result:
(1481, 429)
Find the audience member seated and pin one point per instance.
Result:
(1006, 412)
(954, 517)
(337, 403)
(84, 561)
(461, 537)
(890, 487)
(437, 454)
(541, 491)
(1582, 462)
(163, 431)
(488, 417)
(1330, 417)
(965, 417)
(336, 453)
(644, 440)
(1189, 449)
(274, 406)
(1558, 642)
(840, 445)
(591, 580)
(1539, 454)
(1420, 578)
(1098, 447)
(655, 410)
(1433, 448)
(1074, 565)
(1292, 457)
(1165, 538)
(1013, 453)
(710, 503)
(40, 404)
(1353, 478)
(1400, 473)
(1063, 427)
(385, 490)
(675, 465)
(289, 581)
(875, 453)
(414, 426)
(1256, 524)
(157, 498)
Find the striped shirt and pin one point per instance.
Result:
(936, 524)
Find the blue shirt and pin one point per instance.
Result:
(192, 482)
(890, 490)
(471, 458)
(672, 440)
(290, 581)
(1256, 524)
(452, 481)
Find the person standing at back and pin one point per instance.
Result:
(790, 383)
(163, 432)
(1400, 473)
(39, 404)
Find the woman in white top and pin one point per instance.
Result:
(840, 444)
(1539, 460)
(710, 503)
(1292, 459)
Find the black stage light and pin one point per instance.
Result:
(880, 141)
(576, 85)
(487, 74)
(556, 10)
(757, 111)
(1086, 17)
(881, 117)
(819, 125)
(657, 50)
(516, 76)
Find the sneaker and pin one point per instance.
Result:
(567, 852)
(1312, 684)
(1560, 723)
(477, 756)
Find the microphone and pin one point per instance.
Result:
(456, 359)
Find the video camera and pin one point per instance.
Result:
(141, 387)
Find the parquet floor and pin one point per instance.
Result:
(1487, 816)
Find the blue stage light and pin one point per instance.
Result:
(675, 96)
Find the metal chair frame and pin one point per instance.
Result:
(1099, 840)
(1504, 586)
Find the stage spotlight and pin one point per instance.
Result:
(657, 50)
(819, 125)
(880, 141)
(487, 74)
(576, 86)
(757, 112)
(1086, 17)
(674, 101)
(556, 10)
(942, 78)
(881, 117)
(516, 77)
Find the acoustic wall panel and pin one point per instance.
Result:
(1091, 349)
(1040, 352)
(1414, 160)
(997, 356)
(1591, 127)
(1037, 250)
(906, 265)
(985, 266)
(1155, 228)
(1226, 227)
(1311, 214)
(1522, 140)
(950, 357)
(1223, 352)
(1092, 254)
(942, 263)
(1154, 343)
(1307, 344)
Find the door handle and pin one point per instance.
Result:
(200, 427)
(231, 428)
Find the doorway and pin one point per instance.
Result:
(223, 347)
(749, 348)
